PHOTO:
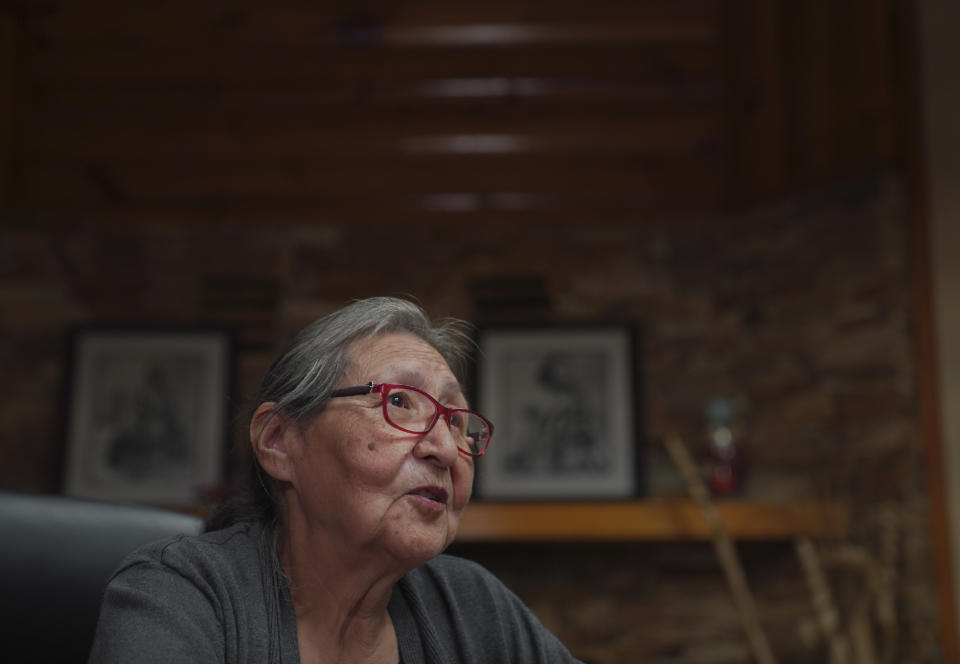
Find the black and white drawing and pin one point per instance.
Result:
(564, 407)
(147, 415)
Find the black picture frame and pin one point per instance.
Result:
(566, 410)
(147, 414)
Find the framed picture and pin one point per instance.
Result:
(565, 411)
(147, 414)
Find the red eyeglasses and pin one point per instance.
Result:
(414, 411)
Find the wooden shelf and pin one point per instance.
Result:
(663, 519)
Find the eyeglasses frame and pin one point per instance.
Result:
(383, 389)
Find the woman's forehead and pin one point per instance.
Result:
(404, 357)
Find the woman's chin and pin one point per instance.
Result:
(415, 546)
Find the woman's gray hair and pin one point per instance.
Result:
(302, 377)
(300, 380)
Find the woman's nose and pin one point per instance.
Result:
(438, 444)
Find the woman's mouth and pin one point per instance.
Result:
(431, 495)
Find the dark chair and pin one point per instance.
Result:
(56, 554)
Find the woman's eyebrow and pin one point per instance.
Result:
(408, 377)
(450, 392)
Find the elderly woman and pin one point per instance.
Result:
(364, 452)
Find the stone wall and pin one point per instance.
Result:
(800, 312)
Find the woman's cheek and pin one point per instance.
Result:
(462, 482)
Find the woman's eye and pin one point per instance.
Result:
(398, 399)
(458, 422)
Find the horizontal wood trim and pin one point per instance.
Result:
(356, 185)
(420, 22)
(621, 142)
(314, 65)
(87, 210)
(312, 32)
(62, 99)
(273, 115)
(653, 520)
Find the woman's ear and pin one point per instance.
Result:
(270, 432)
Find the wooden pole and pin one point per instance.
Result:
(827, 615)
(726, 552)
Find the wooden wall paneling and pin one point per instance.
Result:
(617, 92)
(340, 43)
(908, 56)
(385, 135)
(930, 414)
(198, 64)
(755, 100)
(450, 100)
(811, 91)
(339, 186)
(170, 104)
(887, 89)
(366, 122)
(866, 116)
(285, 22)
(612, 105)
(930, 418)
(11, 102)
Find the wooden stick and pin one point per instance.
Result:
(861, 636)
(827, 615)
(860, 633)
(726, 552)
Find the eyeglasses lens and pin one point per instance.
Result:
(475, 433)
(414, 411)
(409, 409)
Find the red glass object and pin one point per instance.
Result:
(721, 458)
(722, 462)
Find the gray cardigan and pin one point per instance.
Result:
(216, 597)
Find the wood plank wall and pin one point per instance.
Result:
(442, 111)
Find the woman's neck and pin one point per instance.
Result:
(361, 643)
(340, 601)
